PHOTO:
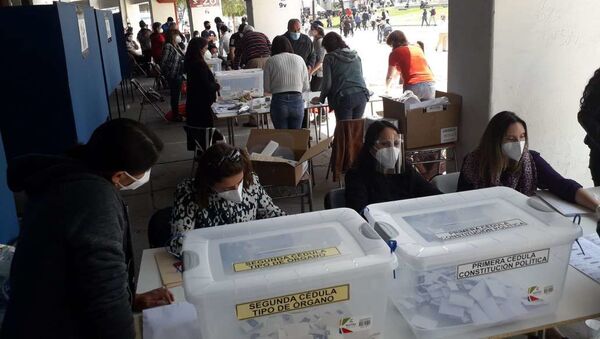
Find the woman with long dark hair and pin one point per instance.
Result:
(224, 191)
(343, 82)
(201, 85)
(589, 119)
(380, 172)
(171, 67)
(503, 158)
(74, 256)
(286, 77)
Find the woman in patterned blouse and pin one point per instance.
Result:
(224, 191)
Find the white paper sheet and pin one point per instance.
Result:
(171, 321)
(588, 263)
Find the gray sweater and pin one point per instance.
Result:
(285, 72)
(342, 76)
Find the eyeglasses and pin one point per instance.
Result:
(233, 156)
(389, 143)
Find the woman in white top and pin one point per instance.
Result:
(286, 77)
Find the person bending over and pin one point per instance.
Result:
(380, 172)
(73, 264)
(224, 191)
(503, 158)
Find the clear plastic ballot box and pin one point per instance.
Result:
(315, 275)
(474, 259)
(235, 84)
(214, 64)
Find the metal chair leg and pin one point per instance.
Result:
(310, 195)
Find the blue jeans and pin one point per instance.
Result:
(351, 106)
(287, 110)
(423, 90)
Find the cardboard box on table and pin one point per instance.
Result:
(430, 126)
(293, 144)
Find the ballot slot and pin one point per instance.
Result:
(474, 259)
(315, 274)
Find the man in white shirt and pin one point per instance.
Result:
(224, 43)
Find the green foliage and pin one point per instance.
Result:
(233, 8)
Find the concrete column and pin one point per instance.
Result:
(532, 57)
(271, 17)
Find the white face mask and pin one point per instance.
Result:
(233, 195)
(137, 183)
(178, 39)
(388, 157)
(295, 35)
(513, 150)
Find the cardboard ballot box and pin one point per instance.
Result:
(235, 83)
(289, 161)
(313, 275)
(433, 125)
(474, 259)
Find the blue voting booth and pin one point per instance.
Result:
(9, 226)
(54, 96)
(123, 56)
(108, 49)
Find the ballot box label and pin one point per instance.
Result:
(292, 302)
(355, 324)
(501, 264)
(285, 259)
(480, 229)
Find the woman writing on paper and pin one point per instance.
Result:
(224, 191)
(503, 158)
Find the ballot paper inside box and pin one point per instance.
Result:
(320, 275)
(474, 259)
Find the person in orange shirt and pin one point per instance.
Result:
(409, 61)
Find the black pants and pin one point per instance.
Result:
(595, 166)
(175, 89)
(315, 83)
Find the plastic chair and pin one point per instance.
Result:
(446, 183)
(336, 198)
(199, 139)
(149, 97)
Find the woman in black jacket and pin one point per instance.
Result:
(380, 173)
(72, 273)
(201, 85)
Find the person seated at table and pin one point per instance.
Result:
(503, 158)
(380, 173)
(286, 77)
(224, 191)
(72, 274)
(201, 85)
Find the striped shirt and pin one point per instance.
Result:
(286, 72)
(253, 45)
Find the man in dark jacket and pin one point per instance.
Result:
(301, 43)
(72, 274)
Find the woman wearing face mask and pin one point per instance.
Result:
(224, 191)
(503, 158)
(172, 68)
(380, 173)
(201, 85)
(74, 256)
